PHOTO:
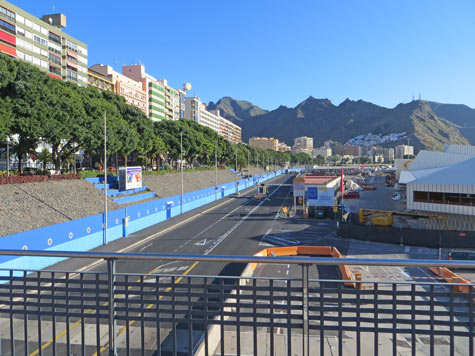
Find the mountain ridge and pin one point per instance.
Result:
(429, 125)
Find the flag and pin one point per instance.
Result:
(342, 190)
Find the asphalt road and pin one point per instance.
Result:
(238, 225)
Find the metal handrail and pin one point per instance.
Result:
(244, 259)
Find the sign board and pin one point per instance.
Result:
(299, 201)
(299, 187)
(130, 178)
(317, 196)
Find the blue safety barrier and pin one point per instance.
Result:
(87, 233)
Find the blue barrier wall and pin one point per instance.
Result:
(87, 233)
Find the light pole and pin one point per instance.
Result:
(235, 169)
(181, 168)
(216, 169)
(105, 178)
(8, 156)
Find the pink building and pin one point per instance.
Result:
(133, 91)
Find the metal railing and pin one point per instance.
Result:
(107, 312)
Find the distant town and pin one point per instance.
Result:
(369, 149)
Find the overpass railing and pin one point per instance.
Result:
(107, 312)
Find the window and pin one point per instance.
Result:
(72, 75)
(20, 31)
(55, 70)
(28, 23)
(452, 198)
(7, 14)
(7, 27)
(71, 46)
(54, 59)
(55, 38)
(436, 198)
(72, 59)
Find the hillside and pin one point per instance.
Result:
(322, 120)
(236, 111)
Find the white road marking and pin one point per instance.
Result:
(227, 233)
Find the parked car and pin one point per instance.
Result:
(352, 195)
(462, 255)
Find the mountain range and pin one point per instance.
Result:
(428, 125)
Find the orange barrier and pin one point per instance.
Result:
(308, 250)
(451, 277)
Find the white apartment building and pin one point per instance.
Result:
(196, 110)
(303, 144)
(403, 150)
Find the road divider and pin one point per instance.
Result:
(452, 277)
(309, 251)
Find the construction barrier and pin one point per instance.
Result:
(308, 250)
(451, 277)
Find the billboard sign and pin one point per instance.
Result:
(317, 196)
(130, 178)
(299, 187)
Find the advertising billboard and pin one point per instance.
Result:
(317, 196)
(130, 177)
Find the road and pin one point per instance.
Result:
(239, 225)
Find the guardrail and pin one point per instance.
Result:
(116, 313)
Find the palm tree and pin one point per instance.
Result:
(44, 157)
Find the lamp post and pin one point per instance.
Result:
(181, 168)
(105, 178)
(235, 169)
(8, 156)
(216, 169)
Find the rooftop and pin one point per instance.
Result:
(319, 179)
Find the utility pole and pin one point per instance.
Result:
(105, 178)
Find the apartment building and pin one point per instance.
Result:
(42, 43)
(131, 90)
(164, 102)
(283, 147)
(267, 143)
(196, 110)
(99, 81)
(403, 150)
(303, 144)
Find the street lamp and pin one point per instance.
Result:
(216, 169)
(181, 168)
(8, 156)
(235, 169)
(105, 178)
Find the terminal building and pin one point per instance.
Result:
(441, 183)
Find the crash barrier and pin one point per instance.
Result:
(452, 277)
(308, 251)
(87, 233)
(126, 313)
(407, 236)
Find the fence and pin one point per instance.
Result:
(408, 236)
(92, 313)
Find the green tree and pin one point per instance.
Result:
(44, 157)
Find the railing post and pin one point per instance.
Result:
(112, 321)
(305, 331)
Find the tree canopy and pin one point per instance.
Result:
(36, 108)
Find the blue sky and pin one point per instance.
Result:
(280, 52)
